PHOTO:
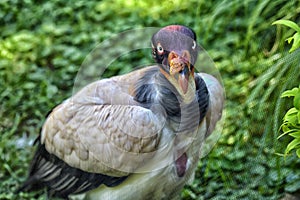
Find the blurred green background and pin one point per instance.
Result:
(42, 46)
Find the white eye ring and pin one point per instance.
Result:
(194, 44)
(160, 49)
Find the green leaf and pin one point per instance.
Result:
(290, 115)
(296, 43)
(295, 37)
(288, 23)
(280, 154)
(284, 127)
(287, 132)
(295, 133)
(290, 93)
(292, 145)
(298, 152)
(291, 112)
(297, 101)
(29, 85)
(290, 39)
(293, 186)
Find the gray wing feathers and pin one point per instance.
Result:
(101, 122)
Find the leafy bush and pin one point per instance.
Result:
(279, 74)
(291, 121)
(282, 73)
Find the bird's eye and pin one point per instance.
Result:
(194, 45)
(160, 49)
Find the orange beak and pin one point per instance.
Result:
(180, 68)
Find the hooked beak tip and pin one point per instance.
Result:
(183, 82)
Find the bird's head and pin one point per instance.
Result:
(175, 48)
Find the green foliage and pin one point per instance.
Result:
(282, 73)
(291, 121)
(43, 45)
(295, 37)
(265, 97)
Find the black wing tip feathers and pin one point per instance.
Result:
(60, 179)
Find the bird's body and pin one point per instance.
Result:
(134, 136)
